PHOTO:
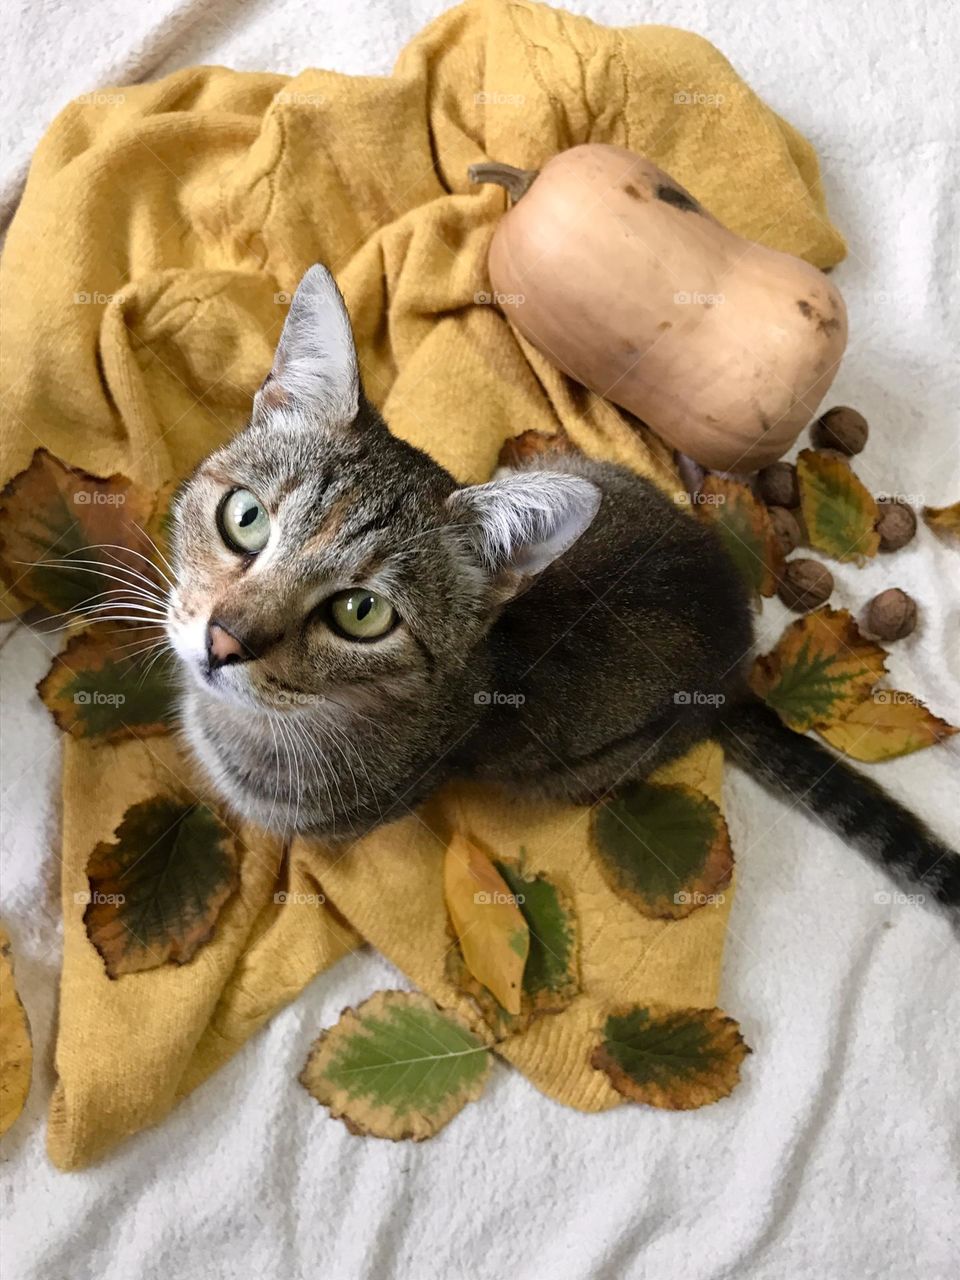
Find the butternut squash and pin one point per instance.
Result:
(624, 281)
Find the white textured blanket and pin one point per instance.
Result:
(837, 1156)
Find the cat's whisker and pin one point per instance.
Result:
(116, 546)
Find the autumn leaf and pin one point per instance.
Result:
(493, 935)
(16, 1049)
(838, 510)
(156, 891)
(665, 849)
(819, 671)
(944, 520)
(94, 689)
(678, 1059)
(50, 513)
(397, 1067)
(551, 975)
(888, 724)
(745, 528)
(530, 445)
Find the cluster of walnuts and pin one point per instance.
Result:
(806, 584)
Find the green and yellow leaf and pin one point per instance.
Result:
(157, 889)
(551, 975)
(664, 848)
(16, 1049)
(819, 671)
(397, 1066)
(745, 529)
(50, 513)
(678, 1059)
(944, 520)
(888, 724)
(493, 935)
(94, 689)
(838, 510)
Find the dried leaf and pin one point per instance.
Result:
(530, 445)
(492, 933)
(665, 849)
(94, 690)
(673, 1058)
(889, 724)
(397, 1067)
(550, 976)
(944, 520)
(51, 512)
(16, 1049)
(819, 671)
(157, 890)
(745, 528)
(838, 510)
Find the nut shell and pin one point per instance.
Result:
(840, 428)
(891, 615)
(778, 485)
(786, 528)
(896, 523)
(805, 585)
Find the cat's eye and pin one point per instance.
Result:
(244, 523)
(361, 615)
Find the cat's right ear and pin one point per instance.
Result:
(315, 368)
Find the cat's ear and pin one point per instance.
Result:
(315, 369)
(522, 521)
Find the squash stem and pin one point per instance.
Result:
(516, 182)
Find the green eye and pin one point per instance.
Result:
(244, 523)
(361, 615)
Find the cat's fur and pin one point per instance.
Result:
(564, 629)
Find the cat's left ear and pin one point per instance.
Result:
(315, 367)
(522, 521)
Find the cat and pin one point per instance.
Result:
(355, 628)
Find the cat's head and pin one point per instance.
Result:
(317, 557)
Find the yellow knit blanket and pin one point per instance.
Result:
(143, 287)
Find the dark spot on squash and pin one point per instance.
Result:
(825, 324)
(637, 192)
(665, 324)
(679, 199)
(805, 309)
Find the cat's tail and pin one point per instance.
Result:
(799, 770)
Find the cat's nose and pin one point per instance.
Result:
(223, 647)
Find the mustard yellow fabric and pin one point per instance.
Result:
(143, 289)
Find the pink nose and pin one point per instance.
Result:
(222, 647)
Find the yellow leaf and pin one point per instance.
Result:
(493, 935)
(944, 519)
(889, 724)
(838, 510)
(16, 1051)
(821, 669)
(746, 530)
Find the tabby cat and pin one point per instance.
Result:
(356, 627)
